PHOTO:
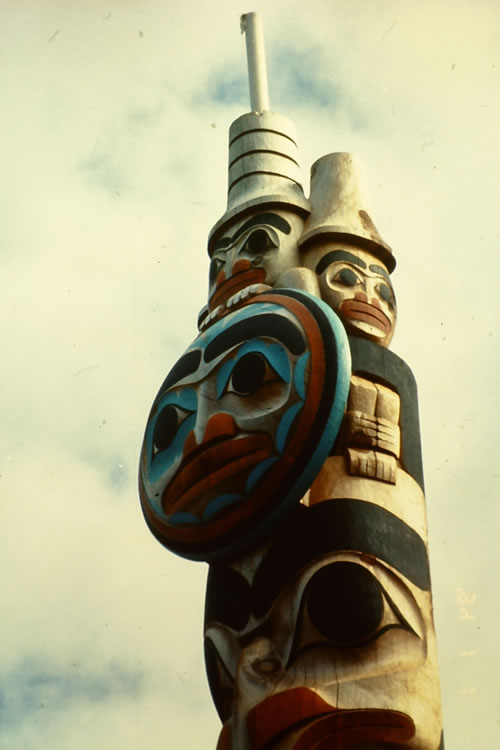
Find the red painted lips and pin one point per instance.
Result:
(324, 726)
(242, 277)
(357, 310)
(215, 462)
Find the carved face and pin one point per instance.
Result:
(258, 250)
(243, 423)
(325, 639)
(357, 286)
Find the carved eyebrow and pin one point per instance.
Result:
(268, 324)
(379, 270)
(186, 365)
(222, 243)
(329, 527)
(336, 526)
(334, 256)
(266, 218)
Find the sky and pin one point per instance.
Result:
(114, 124)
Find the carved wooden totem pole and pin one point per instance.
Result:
(283, 448)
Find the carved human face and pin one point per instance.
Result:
(324, 639)
(357, 286)
(243, 423)
(257, 250)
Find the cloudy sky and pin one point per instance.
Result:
(114, 149)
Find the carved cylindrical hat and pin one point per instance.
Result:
(340, 209)
(264, 168)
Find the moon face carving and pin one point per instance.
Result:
(243, 423)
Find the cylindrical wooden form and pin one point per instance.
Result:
(283, 448)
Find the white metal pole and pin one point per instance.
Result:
(256, 57)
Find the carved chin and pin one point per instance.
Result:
(367, 329)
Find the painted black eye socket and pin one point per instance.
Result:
(345, 603)
(167, 424)
(347, 277)
(249, 374)
(386, 293)
(215, 266)
(258, 242)
(345, 606)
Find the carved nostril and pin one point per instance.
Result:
(361, 296)
(266, 666)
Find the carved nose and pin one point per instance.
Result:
(363, 297)
(218, 426)
(243, 264)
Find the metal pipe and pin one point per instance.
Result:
(251, 26)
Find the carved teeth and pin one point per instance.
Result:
(248, 291)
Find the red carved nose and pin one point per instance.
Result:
(361, 296)
(243, 264)
(218, 426)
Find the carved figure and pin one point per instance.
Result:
(342, 246)
(256, 240)
(284, 449)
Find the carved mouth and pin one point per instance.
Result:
(234, 283)
(217, 461)
(362, 311)
(324, 727)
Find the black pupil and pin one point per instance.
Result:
(165, 428)
(248, 374)
(257, 242)
(345, 603)
(348, 277)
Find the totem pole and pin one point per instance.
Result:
(283, 448)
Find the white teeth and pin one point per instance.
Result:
(248, 291)
(210, 317)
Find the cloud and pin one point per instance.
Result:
(296, 73)
(36, 686)
(226, 87)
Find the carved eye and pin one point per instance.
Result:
(346, 277)
(167, 424)
(258, 242)
(386, 293)
(249, 374)
(345, 606)
(345, 603)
